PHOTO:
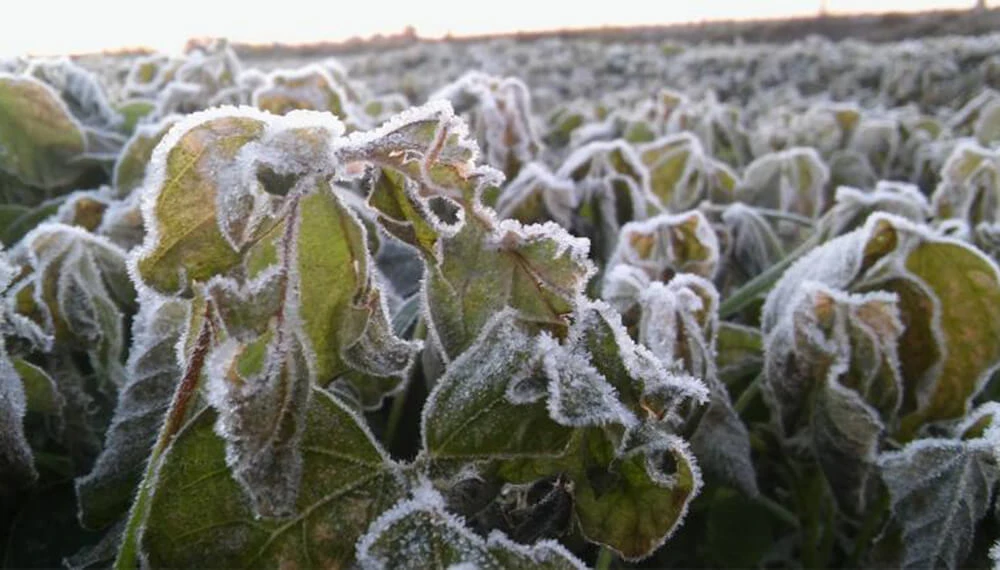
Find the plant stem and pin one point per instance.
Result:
(128, 554)
(604, 559)
(763, 282)
(395, 416)
(783, 514)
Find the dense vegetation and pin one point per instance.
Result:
(533, 305)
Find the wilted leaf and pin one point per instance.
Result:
(948, 296)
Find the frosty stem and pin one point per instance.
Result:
(128, 554)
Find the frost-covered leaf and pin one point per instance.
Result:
(309, 88)
(613, 186)
(739, 351)
(81, 293)
(878, 140)
(748, 245)
(948, 294)
(834, 381)
(40, 141)
(572, 404)
(968, 188)
(679, 323)
(792, 181)
(130, 168)
(940, 489)
(198, 516)
(667, 245)
(490, 402)
(80, 90)
(537, 196)
(643, 384)
(260, 390)
(628, 496)
(539, 270)
(499, 116)
(84, 209)
(682, 174)
(152, 374)
(852, 206)
(717, 125)
(987, 130)
(302, 323)
(419, 532)
(16, 462)
(216, 181)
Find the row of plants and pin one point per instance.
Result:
(259, 318)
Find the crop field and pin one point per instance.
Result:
(548, 304)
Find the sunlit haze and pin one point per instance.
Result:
(76, 26)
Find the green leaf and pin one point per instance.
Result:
(490, 401)
(419, 533)
(184, 241)
(198, 516)
(940, 489)
(404, 214)
(39, 139)
(41, 395)
(538, 270)
(134, 111)
(629, 497)
(27, 220)
(739, 351)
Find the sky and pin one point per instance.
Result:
(55, 27)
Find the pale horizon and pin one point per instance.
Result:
(79, 27)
